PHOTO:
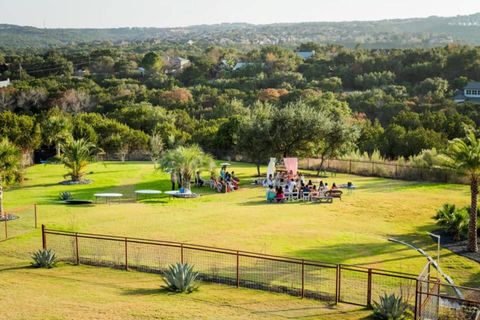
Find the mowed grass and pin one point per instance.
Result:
(352, 231)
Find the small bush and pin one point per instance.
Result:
(453, 220)
(391, 307)
(65, 196)
(44, 258)
(180, 278)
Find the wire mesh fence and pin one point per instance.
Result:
(436, 300)
(386, 169)
(17, 221)
(305, 278)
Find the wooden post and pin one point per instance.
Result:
(396, 170)
(238, 270)
(126, 254)
(77, 256)
(36, 217)
(369, 288)
(337, 285)
(181, 253)
(6, 225)
(303, 278)
(416, 301)
(373, 167)
(350, 167)
(44, 238)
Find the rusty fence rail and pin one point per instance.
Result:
(25, 220)
(298, 277)
(387, 169)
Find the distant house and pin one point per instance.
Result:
(177, 65)
(241, 65)
(5, 83)
(470, 93)
(305, 54)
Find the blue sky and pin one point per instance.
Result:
(163, 13)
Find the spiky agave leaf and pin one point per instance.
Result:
(180, 277)
(391, 307)
(44, 258)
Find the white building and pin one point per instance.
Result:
(470, 93)
(5, 83)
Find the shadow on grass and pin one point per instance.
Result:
(147, 291)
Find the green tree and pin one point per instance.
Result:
(463, 155)
(153, 62)
(56, 129)
(186, 161)
(255, 140)
(10, 159)
(76, 154)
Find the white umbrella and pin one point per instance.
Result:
(225, 164)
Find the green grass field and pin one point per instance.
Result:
(351, 231)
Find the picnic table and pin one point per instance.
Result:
(107, 196)
(146, 192)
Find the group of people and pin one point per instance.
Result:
(226, 181)
(276, 192)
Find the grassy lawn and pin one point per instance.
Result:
(351, 231)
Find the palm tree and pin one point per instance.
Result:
(76, 156)
(10, 162)
(186, 161)
(463, 155)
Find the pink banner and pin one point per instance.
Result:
(291, 164)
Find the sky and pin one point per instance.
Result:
(173, 13)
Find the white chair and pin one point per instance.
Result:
(306, 196)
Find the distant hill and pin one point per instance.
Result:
(399, 33)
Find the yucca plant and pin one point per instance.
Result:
(391, 307)
(65, 196)
(44, 258)
(180, 277)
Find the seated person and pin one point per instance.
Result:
(271, 194)
(334, 187)
(234, 184)
(269, 181)
(234, 177)
(280, 196)
(290, 185)
(198, 180)
(310, 183)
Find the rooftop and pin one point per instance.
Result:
(472, 85)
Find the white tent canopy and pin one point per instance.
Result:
(271, 167)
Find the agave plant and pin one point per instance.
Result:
(180, 277)
(65, 196)
(44, 258)
(391, 307)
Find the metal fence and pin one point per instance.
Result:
(426, 295)
(298, 277)
(436, 300)
(24, 220)
(391, 170)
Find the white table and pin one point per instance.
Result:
(178, 194)
(107, 196)
(147, 192)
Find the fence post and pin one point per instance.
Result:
(35, 212)
(369, 288)
(416, 311)
(77, 256)
(303, 278)
(44, 238)
(181, 253)
(373, 168)
(337, 285)
(350, 167)
(396, 170)
(126, 254)
(238, 270)
(6, 227)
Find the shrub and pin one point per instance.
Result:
(453, 220)
(391, 307)
(65, 196)
(44, 258)
(180, 278)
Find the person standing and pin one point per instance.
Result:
(173, 179)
